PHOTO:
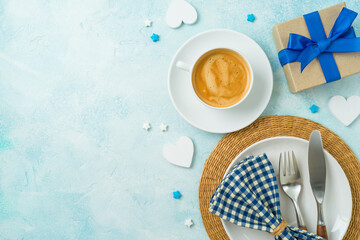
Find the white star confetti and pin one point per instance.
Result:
(163, 127)
(146, 126)
(148, 23)
(188, 222)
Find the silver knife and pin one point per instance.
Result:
(317, 173)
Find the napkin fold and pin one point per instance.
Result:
(248, 196)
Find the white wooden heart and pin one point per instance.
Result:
(180, 154)
(346, 111)
(180, 11)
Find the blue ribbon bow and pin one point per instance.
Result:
(341, 39)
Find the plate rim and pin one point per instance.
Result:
(204, 33)
(285, 137)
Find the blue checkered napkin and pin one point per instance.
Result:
(248, 196)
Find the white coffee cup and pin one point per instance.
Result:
(189, 67)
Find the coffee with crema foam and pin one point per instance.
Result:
(221, 77)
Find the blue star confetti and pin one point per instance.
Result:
(250, 17)
(155, 37)
(314, 108)
(176, 195)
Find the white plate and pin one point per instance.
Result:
(337, 202)
(220, 120)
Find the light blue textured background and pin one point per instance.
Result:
(77, 81)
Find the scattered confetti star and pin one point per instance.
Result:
(163, 127)
(188, 222)
(314, 109)
(155, 37)
(176, 195)
(250, 17)
(146, 126)
(148, 22)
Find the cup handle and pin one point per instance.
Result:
(183, 65)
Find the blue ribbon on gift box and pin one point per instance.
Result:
(342, 39)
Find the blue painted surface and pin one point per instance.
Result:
(77, 81)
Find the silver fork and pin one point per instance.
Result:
(290, 181)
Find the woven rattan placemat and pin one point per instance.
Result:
(234, 143)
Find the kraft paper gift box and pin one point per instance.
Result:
(348, 63)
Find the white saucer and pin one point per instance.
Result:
(223, 120)
(337, 201)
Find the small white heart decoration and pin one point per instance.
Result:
(180, 11)
(180, 154)
(346, 111)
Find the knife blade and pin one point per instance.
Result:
(317, 173)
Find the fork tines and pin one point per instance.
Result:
(288, 165)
